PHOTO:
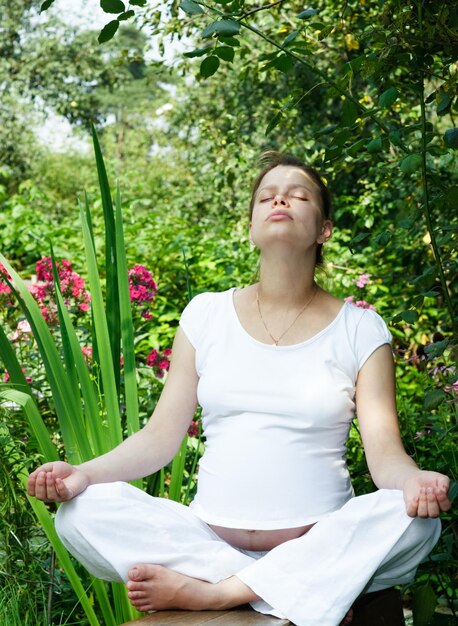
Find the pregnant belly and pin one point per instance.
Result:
(258, 540)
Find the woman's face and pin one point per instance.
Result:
(287, 208)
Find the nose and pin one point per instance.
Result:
(279, 199)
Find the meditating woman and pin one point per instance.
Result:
(279, 368)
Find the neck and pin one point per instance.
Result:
(286, 280)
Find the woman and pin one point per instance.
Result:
(278, 368)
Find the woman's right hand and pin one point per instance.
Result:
(56, 482)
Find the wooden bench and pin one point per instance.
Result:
(382, 608)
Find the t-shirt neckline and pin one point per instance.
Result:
(293, 346)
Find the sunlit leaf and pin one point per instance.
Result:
(375, 145)
(225, 28)
(209, 66)
(113, 6)
(225, 52)
(410, 163)
(190, 7)
(451, 138)
(45, 5)
(108, 31)
(126, 16)
(410, 316)
(304, 15)
(388, 98)
(199, 52)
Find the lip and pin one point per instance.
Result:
(278, 215)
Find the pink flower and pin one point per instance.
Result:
(193, 430)
(362, 280)
(152, 358)
(362, 304)
(167, 352)
(164, 364)
(87, 351)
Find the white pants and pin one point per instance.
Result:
(367, 545)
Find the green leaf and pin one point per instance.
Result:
(126, 16)
(225, 52)
(225, 28)
(45, 5)
(444, 101)
(291, 37)
(274, 122)
(190, 7)
(437, 348)
(138, 3)
(108, 31)
(356, 147)
(410, 163)
(349, 113)
(410, 316)
(283, 63)
(451, 138)
(199, 52)
(388, 98)
(113, 6)
(424, 603)
(376, 145)
(209, 66)
(230, 41)
(304, 15)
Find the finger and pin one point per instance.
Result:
(411, 506)
(40, 486)
(433, 505)
(52, 494)
(422, 510)
(443, 483)
(443, 500)
(62, 490)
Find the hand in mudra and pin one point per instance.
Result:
(56, 482)
(426, 494)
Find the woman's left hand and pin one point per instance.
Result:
(426, 494)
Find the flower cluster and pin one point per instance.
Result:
(362, 280)
(194, 429)
(72, 286)
(160, 362)
(142, 289)
(5, 290)
(362, 304)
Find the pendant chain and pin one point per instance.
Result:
(277, 341)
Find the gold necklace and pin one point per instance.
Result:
(277, 341)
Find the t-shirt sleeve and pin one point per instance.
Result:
(194, 318)
(372, 333)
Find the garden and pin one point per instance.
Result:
(107, 236)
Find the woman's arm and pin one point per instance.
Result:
(425, 493)
(144, 452)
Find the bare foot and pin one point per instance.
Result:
(155, 588)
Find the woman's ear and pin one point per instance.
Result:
(251, 237)
(326, 232)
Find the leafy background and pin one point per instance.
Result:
(184, 98)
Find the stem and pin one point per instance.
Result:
(425, 185)
(52, 568)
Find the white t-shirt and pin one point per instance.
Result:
(275, 418)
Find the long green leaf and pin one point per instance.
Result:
(113, 314)
(37, 426)
(177, 474)
(127, 331)
(95, 428)
(66, 410)
(12, 364)
(103, 340)
(66, 350)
